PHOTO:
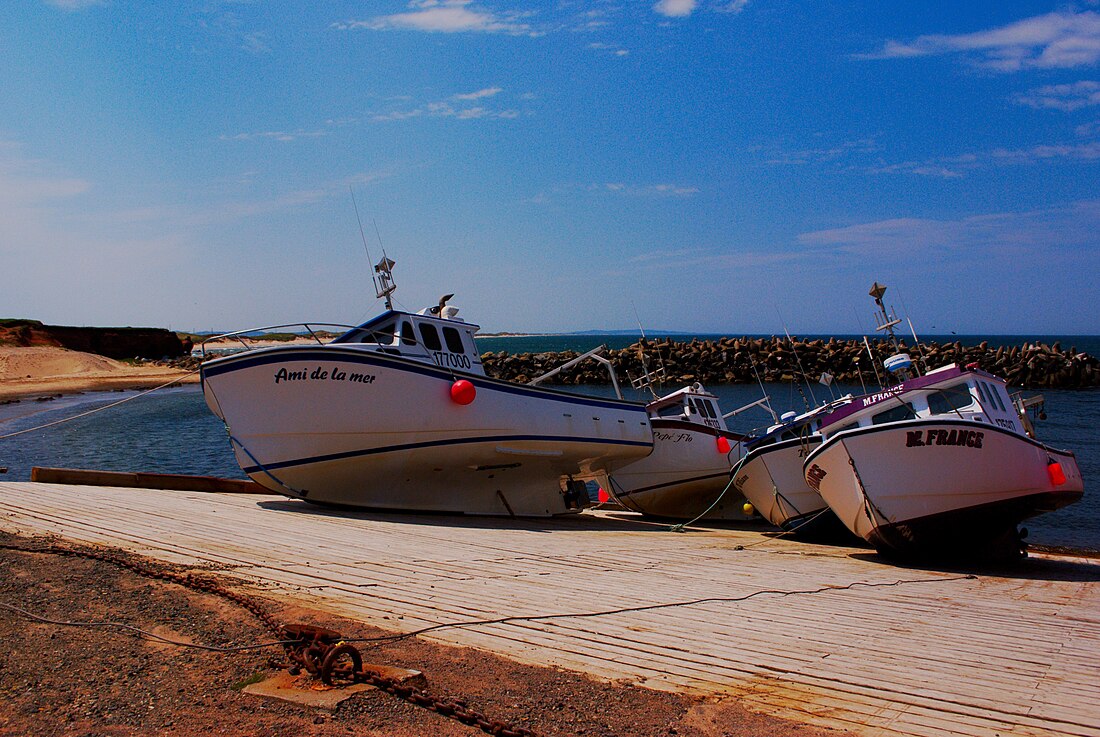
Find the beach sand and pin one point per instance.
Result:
(42, 370)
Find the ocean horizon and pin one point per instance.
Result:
(587, 340)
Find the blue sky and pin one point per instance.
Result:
(731, 166)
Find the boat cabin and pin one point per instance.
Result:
(965, 393)
(798, 427)
(435, 334)
(690, 404)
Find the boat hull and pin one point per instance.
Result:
(683, 477)
(337, 425)
(771, 478)
(935, 488)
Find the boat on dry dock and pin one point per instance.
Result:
(938, 464)
(687, 474)
(770, 476)
(397, 413)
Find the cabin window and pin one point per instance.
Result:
(788, 435)
(984, 396)
(454, 340)
(674, 410)
(994, 397)
(946, 401)
(996, 391)
(706, 409)
(430, 336)
(408, 337)
(894, 414)
(384, 334)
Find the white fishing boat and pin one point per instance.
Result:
(940, 464)
(687, 474)
(770, 476)
(398, 414)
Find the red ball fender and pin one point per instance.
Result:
(1057, 475)
(463, 392)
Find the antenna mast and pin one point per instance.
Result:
(887, 321)
(898, 363)
(384, 285)
(648, 379)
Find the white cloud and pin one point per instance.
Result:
(256, 43)
(856, 156)
(74, 5)
(676, 260)
(840, 151)
(1066, 97)
(453, 107)
(734, 6)
(23, 183)
(445, 16)
(284, 136)
(676, 8)
(1036, 232)
(1088, 130)
(1063, 39)
(613, 49)
(487, 92)
(650, 190)
(1075, 151)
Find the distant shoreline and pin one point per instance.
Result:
(28, 373)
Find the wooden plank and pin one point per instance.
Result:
(145, 480)
(936, 655)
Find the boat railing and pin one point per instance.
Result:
(594, 355)
(313, 330)
(1022, 405)
(762, 402)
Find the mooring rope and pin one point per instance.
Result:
(63, 420)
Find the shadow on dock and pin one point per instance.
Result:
(576, 522)
(1030, 568)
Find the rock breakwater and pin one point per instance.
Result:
(740, 360)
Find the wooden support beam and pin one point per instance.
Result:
(172, 481)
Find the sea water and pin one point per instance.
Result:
(173, 431)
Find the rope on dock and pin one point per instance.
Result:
(666, 605)
(145, 634)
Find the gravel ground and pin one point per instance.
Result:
(76, 681)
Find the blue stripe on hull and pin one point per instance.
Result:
(678, 482)
(439, 443)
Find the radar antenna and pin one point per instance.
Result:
(898, 363)
(888, 321)
(384, 284)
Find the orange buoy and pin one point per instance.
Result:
(1057, 475)
(463, 392)
(723, 444)
(603, 496)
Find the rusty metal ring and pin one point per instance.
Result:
(334, 655)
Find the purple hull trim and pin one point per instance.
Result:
(892, 393)
(987, 530)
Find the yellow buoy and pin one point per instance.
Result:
(748, 508)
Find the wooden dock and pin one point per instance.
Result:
(830, 636)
